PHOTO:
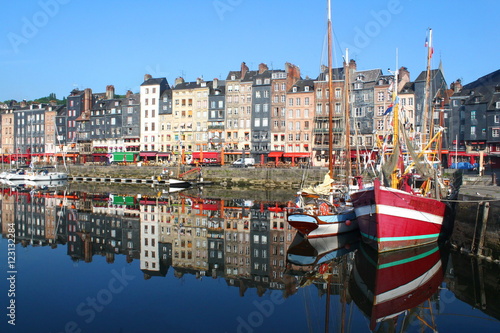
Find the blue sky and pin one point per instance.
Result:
(58, 45)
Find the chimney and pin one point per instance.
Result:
(244, 70)
(198, 80)
(129, 93)
(179, 80)
(456, 86)
(110, 92)
(262, 68)
(87, 100)
(215, 83)
(23, 103)
(147, 77)
(352, 64)
(292, 74)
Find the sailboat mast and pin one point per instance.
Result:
(425, 118)
(330, 93)
(347, 119)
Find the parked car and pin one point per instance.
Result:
(244, 162)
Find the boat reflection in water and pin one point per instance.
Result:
(316, 251)
(387, 286)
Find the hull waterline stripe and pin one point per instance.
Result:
(393, 239)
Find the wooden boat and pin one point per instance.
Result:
(404, 207)
(325, 210)
(387, 285)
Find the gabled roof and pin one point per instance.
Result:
(301, 84)
(423, 75)
(370, 75)
(337, 74)
(408, 88)
(155, 81)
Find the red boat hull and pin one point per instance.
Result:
(391, 219)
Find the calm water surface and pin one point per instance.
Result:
(99, 262)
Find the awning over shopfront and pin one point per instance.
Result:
(275, 154)
(148, 154)
(206, 154)
(297, 154)
(124, 156)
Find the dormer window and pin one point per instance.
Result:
(360, 77)
(233, 77)
(294, 89)
(306, 88)
(498, 105)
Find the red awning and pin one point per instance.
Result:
(206, 154)
(164, 154)
(148, 154)
(275, 154)
(297, 154)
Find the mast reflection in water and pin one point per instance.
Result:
(190, 263)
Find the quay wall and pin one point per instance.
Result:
(225, 176)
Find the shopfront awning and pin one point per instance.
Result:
(124, 156)
(148, 154)
(297, 154)
(206, 154)
(275, 154)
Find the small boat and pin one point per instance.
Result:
(387, 285)
(18, 174)
(328, 211)
(45, 174)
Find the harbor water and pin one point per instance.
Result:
(82, 258)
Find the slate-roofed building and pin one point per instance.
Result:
(281, 84)
(321, 113)
(150, 91)
(216, 115)
(261, 115)
(476, 110)
(423, 107)
(239, 108)
(296, 141)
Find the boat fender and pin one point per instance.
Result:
(324, 209)
(323, 268)
(348, 222)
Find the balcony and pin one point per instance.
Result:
(216, 127)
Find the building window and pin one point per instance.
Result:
(473, 115)
(495, 132)
(380, 125)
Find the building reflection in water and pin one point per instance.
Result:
(247, 243)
